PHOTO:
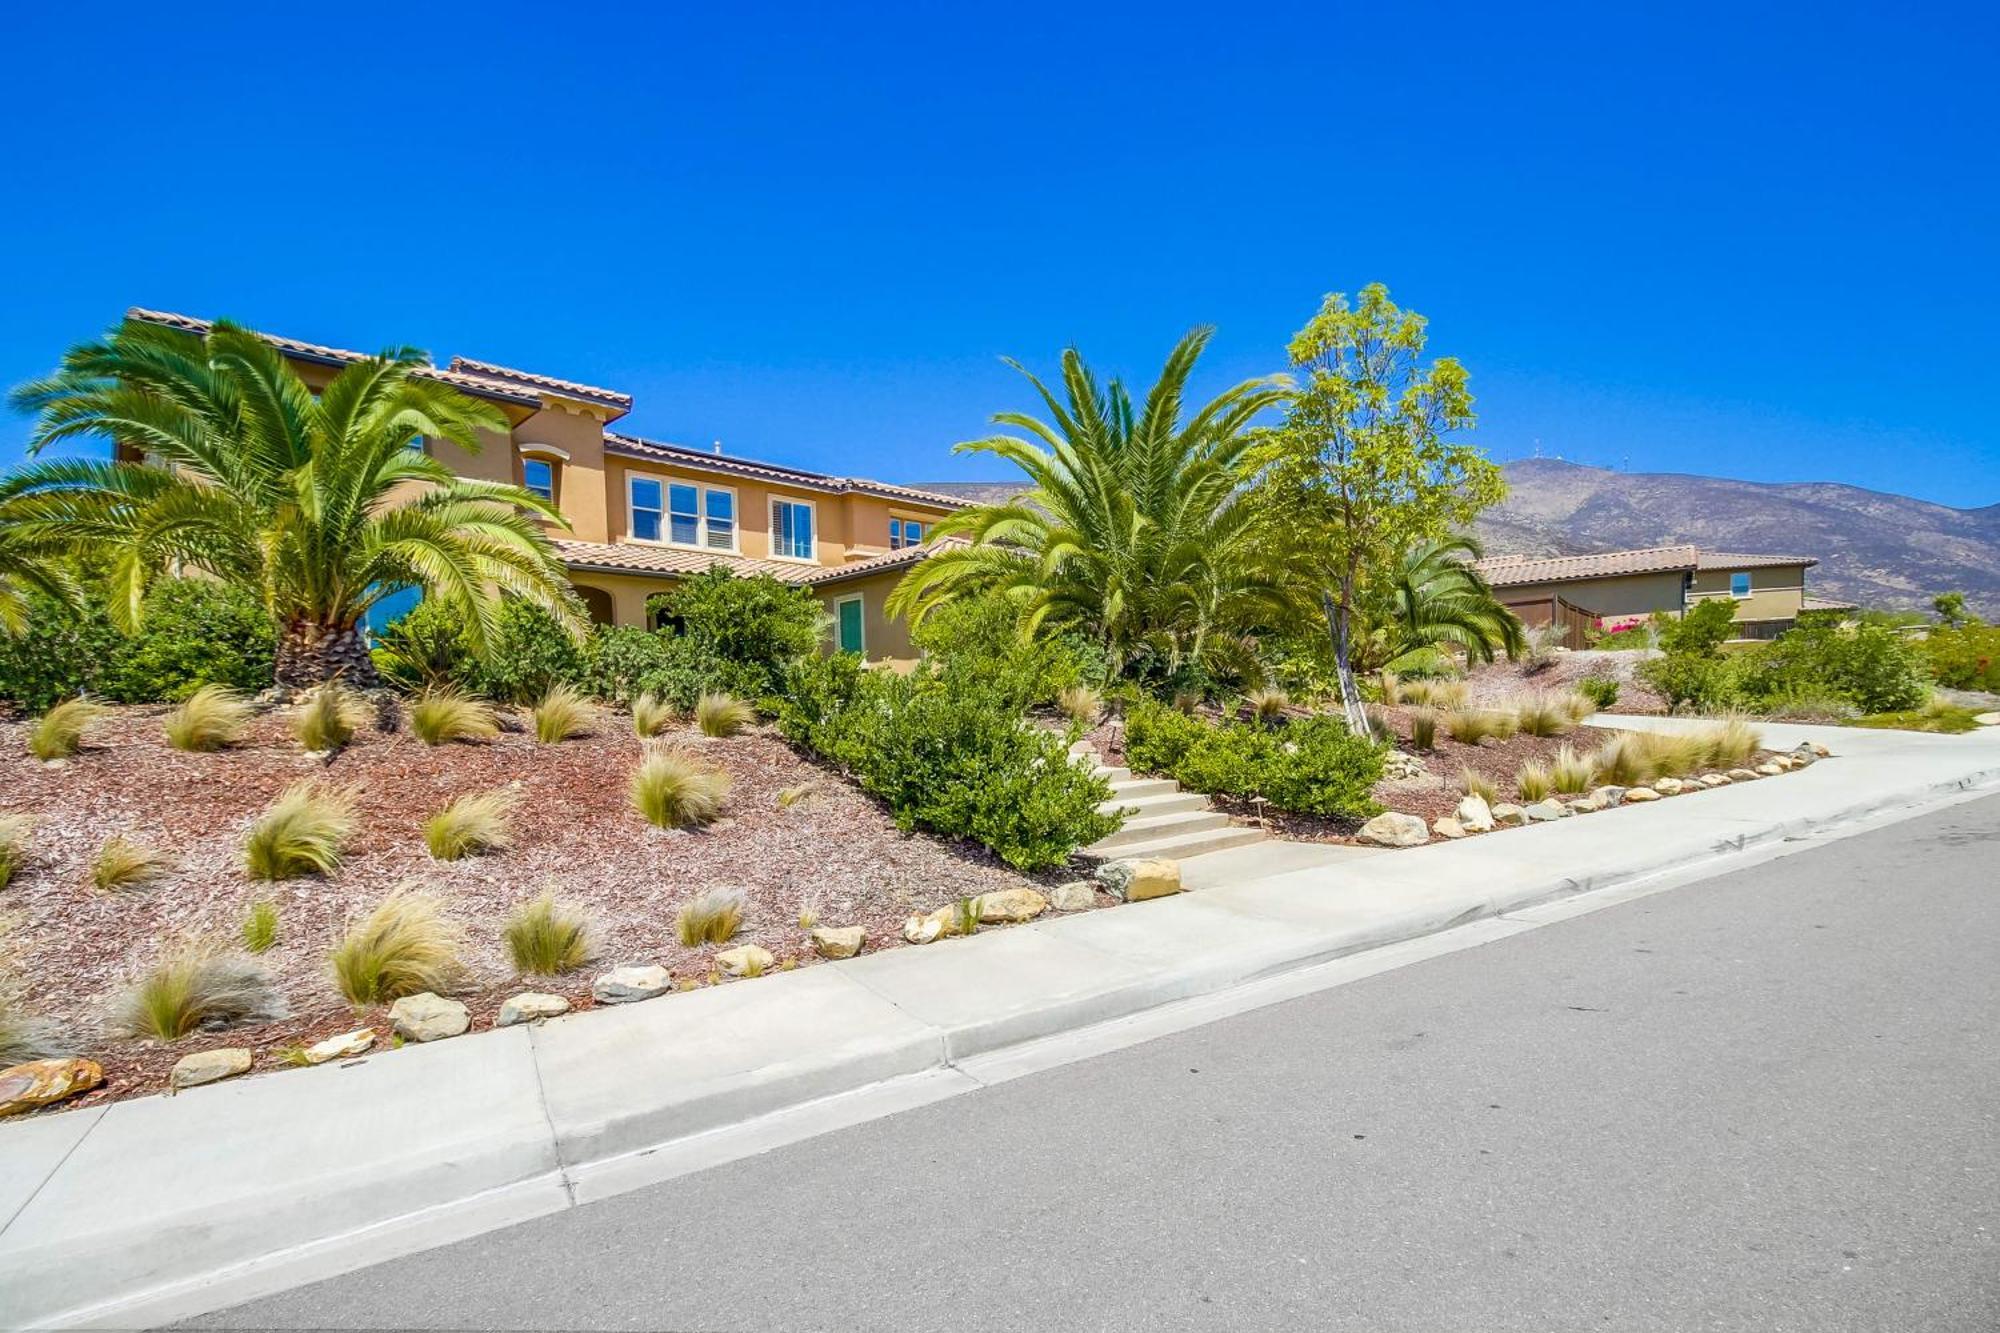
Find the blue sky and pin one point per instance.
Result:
(1756, 245)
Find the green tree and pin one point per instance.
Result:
(1366, 466)
(316, 502)
(1950, 608)
(1130, 530)
(1436, 601)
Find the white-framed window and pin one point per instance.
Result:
(647, 502)
(538, 477)
(905, 532)
(792, 530)
(850, 627)
(682, 513)
(684, 499)
(1739, 584)
(719, 518)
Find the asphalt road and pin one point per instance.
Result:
(1770, 1100)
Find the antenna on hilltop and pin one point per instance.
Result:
(1538, 448)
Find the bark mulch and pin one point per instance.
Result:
(69, 947)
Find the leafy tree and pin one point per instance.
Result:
(316, 503)
(1700, 631)
(1365, 467)
(1130, 531)
(1950, 608)
(1437, 601)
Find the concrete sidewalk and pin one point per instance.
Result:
(158, 1208)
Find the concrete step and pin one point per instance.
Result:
(1131, 787)
(1193, 844)
(1166, 804)
(1152, 828)
(1112, 774)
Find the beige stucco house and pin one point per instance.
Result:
(643, 513)
(1612, 589)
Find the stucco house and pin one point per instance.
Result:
(1612, 589)
(643, 513)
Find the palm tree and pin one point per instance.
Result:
(1129, 529)
(1436, 601)
(318, 502)
(28, 564)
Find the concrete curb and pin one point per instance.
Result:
(156, 1209)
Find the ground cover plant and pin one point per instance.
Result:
(547, 937)
(210, 718)
(441, 715)
(192, 985)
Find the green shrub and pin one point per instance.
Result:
(1875, 668)
(1700, 631)
(1687, 680)
(758, 625)
(981, 636)
(1602, 691)
(1157, 737)
(1965, 657)
(620, 659)
(1312, 766)
(949, 754)
(425, 649)
(195, 632)
(58, 656)
(529, 654)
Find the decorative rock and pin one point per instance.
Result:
(1392, 828)
(341, 1047)
(1712, 780)
(1670, 786)
(1783, 763)
(1544, 812)
(1586, 805)
(1983, 719)
(1075, 896)
(1607, 796)
(1509, 814)
(1400, 767)
(208, 1066)
(1803, 756)
(428, 1017)
(1742, 775)
(1825, 753)
(529, 1006)
(745, 960)
(1447, 827)
(626, 985)
(1135, 880)
(1770, 770)
(1474, 814)
(1639, 794)
(1012, 905)
(922, 930)
(42, 1082)
(838, 941)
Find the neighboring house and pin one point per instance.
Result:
(643, 513)
(1611, 589)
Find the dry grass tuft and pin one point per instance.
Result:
(1631, 758)
(1571, 773)
(404, 947)
(1424, 728)
(1729, 743)
(546, 938)
(1081, 704)
(123, 864)
(14, 831)
(722, 715)
(440, 715)
(712, 916)
(328, 717)
(1541, 714)
(651, 715)
(1269, 705)
(1475, 783)
(791, 796)
(1532, 781)
(472, 825)
(194, 985)
(58, 733)
(25, 1036)
(673, 789)
(210, 718)
(562, 714)
(260, 926)
(1576, 705)
(1392, 689)
(300, 834)
(1449, 693)
(1469, 726)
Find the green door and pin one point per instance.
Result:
(850, 625)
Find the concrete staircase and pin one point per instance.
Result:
(1161, 819)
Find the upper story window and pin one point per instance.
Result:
(682, 513)
(646, 504)
(792, 530)
(538, 476)
(905, 532)
(1739, 584)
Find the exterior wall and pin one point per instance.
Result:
(1777, 592)
(882, 639)
(628, 592)
(1623, 595)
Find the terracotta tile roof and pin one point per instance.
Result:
(702, 460)
(909, 555)
(1747, 560)
(643, 558)
(488, 370)
(1513, 570)
(1812, 603)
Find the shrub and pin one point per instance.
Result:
(720, 715)
(1532, 780)
(1965, 656)
(950, 754)
(424, 649)
(1698, 632)
(58, 733)
(210, 718)
(546, 938)
(619, 659)
(1686, 680)
(1875, 668)
(58, 655)
(1323, 769)
(1424, 728)
(260, 926)
(192, 633)
(1602, 691)
(983, 637)
(124, 864)
(1541, 714)
(1570, 773)
(758, 625)
(442, 714)
(1312, 766)
(1157, 738)
(194, 985)
(672, 789)
(1081, 704)
(650, 716)
(1269, 705)
(560, 715)
(403, 947)
(1475, 783)
(300, 834)
(529, 654)
(472, 825)
(13, 845)
(712, 916)
(328, 717)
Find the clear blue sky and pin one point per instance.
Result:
(1759, 245)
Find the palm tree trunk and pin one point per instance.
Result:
(1338, 623)
(310, 653)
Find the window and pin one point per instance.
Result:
(646, 508)
(539, 476)
(905, 532)
(686, 527)
(792, 529)
(1739, 585)
(721, 520)
(847, 621)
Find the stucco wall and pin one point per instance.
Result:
(1777, 592)
(1626, 595)
(881, 637)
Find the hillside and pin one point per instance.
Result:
(1874, 548)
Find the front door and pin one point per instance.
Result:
(849, 614)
